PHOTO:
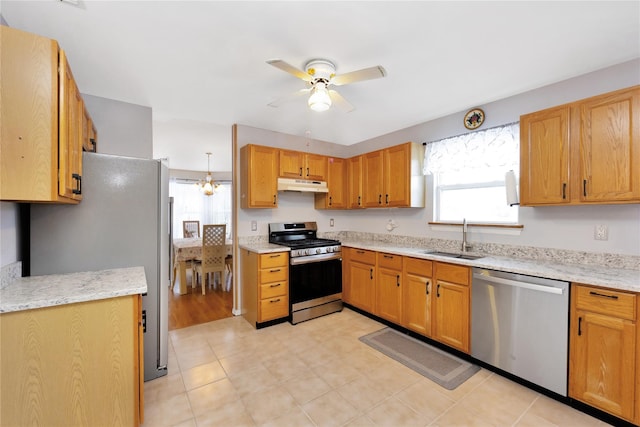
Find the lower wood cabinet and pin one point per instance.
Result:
(417, 295)
(359, 278)
(452, 305)
(73, 364)
(603, 362)
(388, 287)
(265, 279)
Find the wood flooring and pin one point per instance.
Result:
(194, 308)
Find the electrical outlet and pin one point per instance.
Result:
(601, 232)
(254, 226)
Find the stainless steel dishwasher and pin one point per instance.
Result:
(520, 325)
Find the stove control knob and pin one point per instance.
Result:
(329, 249)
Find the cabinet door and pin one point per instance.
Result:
(372, 179)
(397, 178)
(362, 286)
(337, 197)
(389, 294)
(89, 133)
(416, 296)
(260, 170)
(315, 167)
(291, 164)
(70, 126)
(451, 312)
(544, 157)
(602, 363)
(610, 147)
(354, 168)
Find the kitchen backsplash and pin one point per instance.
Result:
(9, 273)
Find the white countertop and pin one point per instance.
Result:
(27, 293)
(615, 278)
(264, 248)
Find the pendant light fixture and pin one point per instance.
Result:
(208, 187)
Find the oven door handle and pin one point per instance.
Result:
(315, 258)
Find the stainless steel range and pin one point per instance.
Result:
(315, 270)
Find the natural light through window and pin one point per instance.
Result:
(189, 203)
(469, 175)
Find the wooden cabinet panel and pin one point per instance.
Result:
(259, 181)
(451, 312)
(265, 291)
(300, 165)
(41, 121)
(610, 147)
(544, 157)
(416, 295)
(59, 364)
(388, 287)
(274, 308)
(603, 363)
(372, 179)
(587, 151)
(277, 259)
(397, 176)
(354, 172)
(336, 198)
(360, 278)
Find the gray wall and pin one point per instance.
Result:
(123, 129)
(569, 227)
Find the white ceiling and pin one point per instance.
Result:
(201, 65)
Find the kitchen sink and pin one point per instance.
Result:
(454, 255)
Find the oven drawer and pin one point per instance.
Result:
(274, 308)
(276, 274)
(273, 260)
(270, 290)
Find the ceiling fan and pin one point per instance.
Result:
(320, 74)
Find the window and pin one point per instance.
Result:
(190, 204)
(469, 175)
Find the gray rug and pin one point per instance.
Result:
(437, 365)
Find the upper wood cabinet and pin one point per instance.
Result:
(354, 183)
(42, 121)
(259, 180)
(583, 152)
(296, 164)
(336, 198)
(89, 133)
(393, 177)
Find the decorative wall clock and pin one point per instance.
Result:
(474, 118)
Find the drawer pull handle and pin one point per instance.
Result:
(564, 190)
(438, 291)
(275, 256)
(388, 256)
(597, 294)
(275, 300)
(276, 285)
(359, 252)
(398, 280)
(426, 285)
(371, 273)
(274, 271)
(579, 325)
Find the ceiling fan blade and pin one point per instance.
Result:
(340, 101)
(278, 63)
(278, 102)
(360, 75)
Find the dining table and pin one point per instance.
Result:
(186, 250)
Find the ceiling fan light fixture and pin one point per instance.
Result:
(319, 99)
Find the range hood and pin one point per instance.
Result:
(303, 185)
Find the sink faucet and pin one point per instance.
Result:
(465, 245)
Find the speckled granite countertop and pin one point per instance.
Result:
(263, 247)
(27, 293)
(615, 278)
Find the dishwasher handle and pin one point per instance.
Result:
(518, 284)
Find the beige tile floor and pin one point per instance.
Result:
(317, 373)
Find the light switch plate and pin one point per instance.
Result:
(601, 232)
(254, 225)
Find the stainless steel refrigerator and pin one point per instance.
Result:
(122, 221)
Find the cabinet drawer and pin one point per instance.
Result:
(452, 273)
(363, 256)
(274, 308)
(270, 290)
(605, 301)
(275, 274)
(421, 267)
(273, 260)
(390, 261)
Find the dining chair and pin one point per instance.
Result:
(213, 254)
(228, 263)
(190, 229)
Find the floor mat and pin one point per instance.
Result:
(437, 365)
